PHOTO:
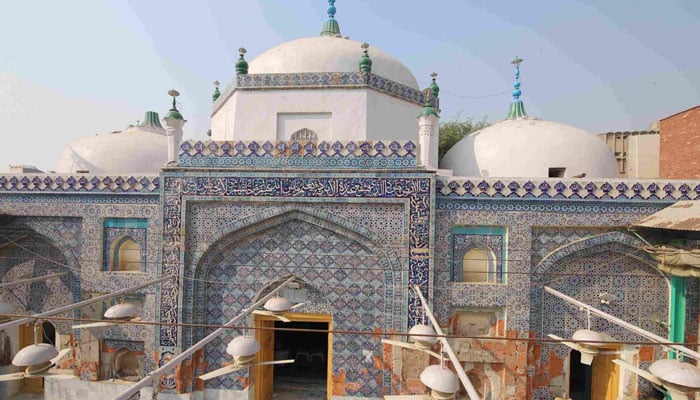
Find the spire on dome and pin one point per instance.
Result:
(331, 26)
(517, 108)
(151, 119)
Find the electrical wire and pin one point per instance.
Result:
(373, 333)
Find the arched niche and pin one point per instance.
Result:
(478, 266)
(125, 255)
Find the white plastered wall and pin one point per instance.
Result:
(389, 118)
(643, 156)
(253, 115)
(355, 115)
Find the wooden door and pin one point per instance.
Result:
(605, 379)
(264, 382)
(26, 338)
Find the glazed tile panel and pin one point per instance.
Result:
(414, 191)
(343, 278)
(73, 225)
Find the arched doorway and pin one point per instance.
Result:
(609, 264)
(345, 277)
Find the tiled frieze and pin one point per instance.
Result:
(78, 183)
(569, 189)
(319, 80)
(301, 155)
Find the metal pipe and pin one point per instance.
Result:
(30, 280)
(473, 395)
(617, 321)
(125, 395)
(80, 304)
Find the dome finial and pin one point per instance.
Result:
(365, 61)
(517, 108)
(173, 113)
(217, 93)
(242, 64)
(435, 89)
(331, 26)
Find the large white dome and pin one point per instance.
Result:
(137, 150)
(328, 54)
(530, 147)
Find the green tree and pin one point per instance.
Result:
(455, 130)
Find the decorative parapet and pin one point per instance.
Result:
(530, 189)
(320, 80)
(300, 155)
(79, 183)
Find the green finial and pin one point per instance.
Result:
(217, 93)
(435, 89)
(242, 64)
(517, 108)
(173, 113)
(365, 61)
(431, 98)
(331, 26)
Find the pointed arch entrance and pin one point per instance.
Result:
(346, 279)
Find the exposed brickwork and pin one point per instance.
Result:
(680, 145)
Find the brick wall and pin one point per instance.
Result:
(680, 145)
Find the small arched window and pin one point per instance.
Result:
(126, 255)
(478, 266)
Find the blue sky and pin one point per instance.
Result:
(81, 67)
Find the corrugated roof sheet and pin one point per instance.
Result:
(681, 216)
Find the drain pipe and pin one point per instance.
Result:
(473, 395)
(150, 378)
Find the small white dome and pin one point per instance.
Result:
(328, 54)
(35, 354)
(441, 379)
(139, 149)
(243, 346)
(278, 304)
(415, 334)
(676, 373)
(531, 148)
(122, 311)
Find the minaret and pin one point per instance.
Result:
(331, 26)
(517, 108)
(429, 127)
(173, 128)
